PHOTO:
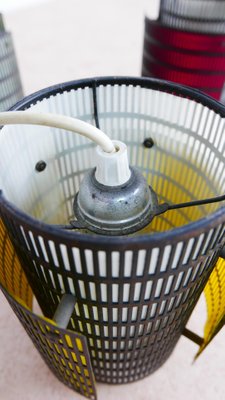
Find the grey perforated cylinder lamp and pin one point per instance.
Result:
(10, 83)
(194, 15)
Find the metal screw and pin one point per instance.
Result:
(148, 142)
(40, 166)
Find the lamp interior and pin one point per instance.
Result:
(186, 162)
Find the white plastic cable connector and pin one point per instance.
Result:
(112, 169)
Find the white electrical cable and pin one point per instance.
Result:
(61, 122)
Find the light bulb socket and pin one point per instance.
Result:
(118, 210)
(112, 169)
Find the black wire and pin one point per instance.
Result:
(95, 104)
(196, 202)
(160, 209)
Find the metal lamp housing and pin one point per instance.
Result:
(116, 210)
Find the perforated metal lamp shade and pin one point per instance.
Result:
(134, 294)
(186, 45)
(10, 83)
(194, 15)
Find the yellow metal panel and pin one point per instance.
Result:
(64, 351)
(215, 299)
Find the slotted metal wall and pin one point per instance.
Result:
(10, 83)
(186, 45)
(194, 15)
(134, 294)
(65, 352)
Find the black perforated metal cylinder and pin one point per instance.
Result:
(134, 294)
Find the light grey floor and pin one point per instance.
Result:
(57, 41)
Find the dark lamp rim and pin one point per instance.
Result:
(161, 85)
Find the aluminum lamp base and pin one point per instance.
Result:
(118, 210)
